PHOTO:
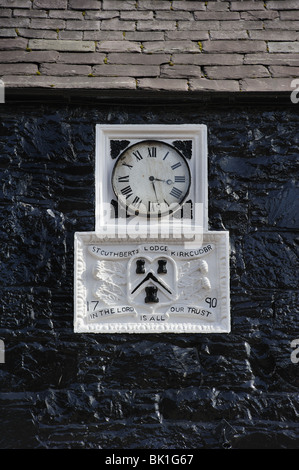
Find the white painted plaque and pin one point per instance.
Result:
(160, 286)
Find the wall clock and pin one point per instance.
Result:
(151, 178)
(151, 171)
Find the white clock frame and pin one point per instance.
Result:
(198, 192)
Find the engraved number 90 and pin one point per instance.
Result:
(212, 302)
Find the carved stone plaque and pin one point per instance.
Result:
(157, 286)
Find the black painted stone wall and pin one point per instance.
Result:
(62, 390)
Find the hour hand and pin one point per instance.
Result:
(164, 181)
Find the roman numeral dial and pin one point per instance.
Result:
(151, 178)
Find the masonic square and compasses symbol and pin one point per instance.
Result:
(152, 282)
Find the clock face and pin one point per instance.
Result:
(151, 178)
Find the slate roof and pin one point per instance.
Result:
(170, 45)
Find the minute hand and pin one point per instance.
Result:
(155, 192)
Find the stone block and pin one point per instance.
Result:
(160, 84)
(278, 210)
(198, 25)
(284, 71)
(8, 33)
(204, 84)
(74, 35)
(289, 15)
(61, 45)
(103, 36)
(260, 246)
(7, 12)
(186, 35)
(104, 83)
(64, 69)
(15, 3)
(101, 15)
(50, 4)
(136, 15)
(137, 59)
(274, 35)
(241, 25)
(37, 33)
(118, 5)
(180, 71)
(13, 44)
(66, 14)
(118, 46)
(216, 15)
(235, 46)
(18, 69)
(24, 56)
(174, 15)
(47, 24)
(83, 25)
(247, 5)
(188, 5)
(117, 25)
(14, 22)
(283, 5)
(208, 59)
(283, 47)
(90, 58)
(170, 46)
(218, 6)
(144, 35)
(86, 5)
(236, 71)
(228, 35)
(259, 15)
(154, 5)
(266, 84)
(111, 70)
(156, 25)
(283, 25)
(29, 13)
(272, 59)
